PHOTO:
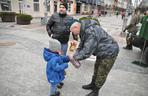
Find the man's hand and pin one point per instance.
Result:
(75, 63)
(74, 42)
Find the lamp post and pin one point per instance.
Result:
(44, 19)
(46, 13)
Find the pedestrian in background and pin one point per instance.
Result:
(117, 13)
(144, 27)
(95, 41)
(56, 27)
(122, 14)
(132, 29)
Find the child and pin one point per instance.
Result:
(56, 64)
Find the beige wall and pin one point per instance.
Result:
(15, 6)
(29, 7)
(31, 11)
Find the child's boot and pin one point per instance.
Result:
(60, 85)
(56, 94)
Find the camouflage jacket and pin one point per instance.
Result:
(95, 41)
(132, 28)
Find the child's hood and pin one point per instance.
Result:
(48, 55)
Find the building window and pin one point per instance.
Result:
(36, 0)
(6, 5)
(36, 5)
(55, 6)
(69, 7)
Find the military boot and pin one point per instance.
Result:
(128, 47)
(89, 86)
(94, 92)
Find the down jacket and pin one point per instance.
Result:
(56, 64)
(57, 26)
(95, 41)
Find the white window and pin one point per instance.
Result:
(69, 5)
(36, 5)
(5, 5)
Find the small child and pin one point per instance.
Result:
(56, 64)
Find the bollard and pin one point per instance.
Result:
(43, 21)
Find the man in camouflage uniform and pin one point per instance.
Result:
(95, 41)
(132, 29)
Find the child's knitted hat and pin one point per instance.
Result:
(54, 45)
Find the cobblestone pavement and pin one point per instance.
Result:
(22, 68)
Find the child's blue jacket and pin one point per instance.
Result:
(56, 64)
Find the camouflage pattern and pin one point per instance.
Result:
(101, 70)
(132, 28)
(129, 39)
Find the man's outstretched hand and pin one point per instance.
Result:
(74, 62)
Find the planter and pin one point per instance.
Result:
(7, 16)
(23, 22)
(23, 19)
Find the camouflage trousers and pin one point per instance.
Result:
(101, 69)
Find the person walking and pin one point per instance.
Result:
(132, 29)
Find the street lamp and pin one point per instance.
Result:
(44, 19)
